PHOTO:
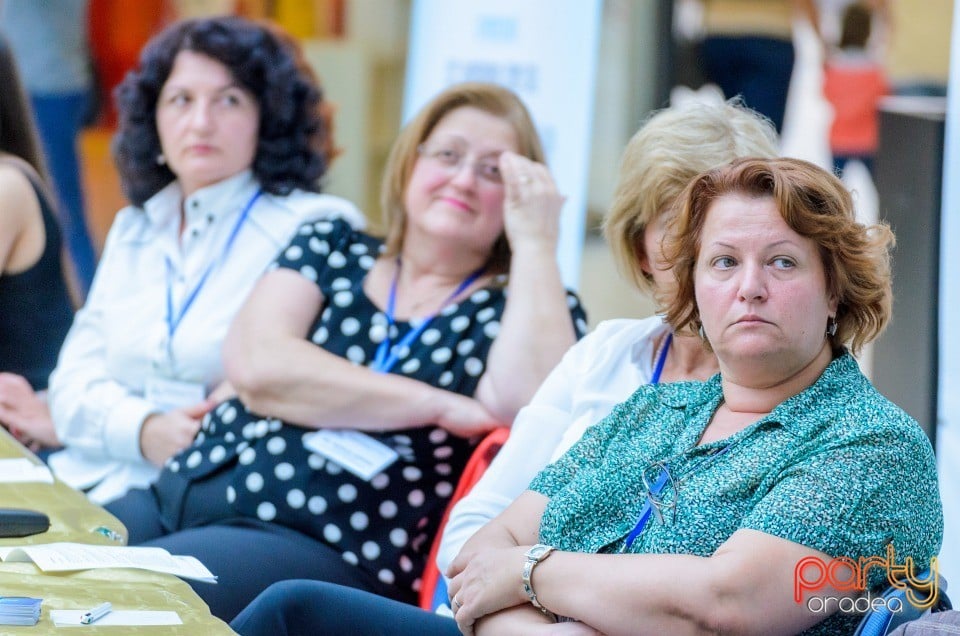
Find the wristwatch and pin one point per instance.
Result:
(534, 555)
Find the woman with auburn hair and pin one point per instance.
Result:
(603, 369)
(365, 368)
(690, 506)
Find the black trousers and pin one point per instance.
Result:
(312, 608)
(247, 555)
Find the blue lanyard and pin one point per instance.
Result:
(173, 321)
(664, 475)
(657, 487)
(388, 354)
(662, 359)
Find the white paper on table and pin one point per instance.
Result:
(22, 470)
(63, 557)
(71, 618)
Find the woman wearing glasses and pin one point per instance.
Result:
(726, 494)
(392, 354)
(604, 368)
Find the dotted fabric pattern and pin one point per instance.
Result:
(383, 526)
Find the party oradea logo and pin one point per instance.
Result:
(844, 574)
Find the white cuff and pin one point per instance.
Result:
(121, 434)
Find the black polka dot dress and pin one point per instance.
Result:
(384, 526)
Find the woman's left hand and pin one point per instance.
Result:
(489, 583)
(531, 204)
(26, 414)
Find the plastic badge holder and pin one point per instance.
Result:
(17, 522)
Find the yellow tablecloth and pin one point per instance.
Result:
(74, 518)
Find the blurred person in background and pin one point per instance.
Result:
(748, 50)
(49, 40)
(854, 82)
(35, 309)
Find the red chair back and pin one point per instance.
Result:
(482, 455)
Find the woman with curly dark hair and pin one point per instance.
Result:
(366, 367)
(222, 141)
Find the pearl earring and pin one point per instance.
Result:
(161, 160)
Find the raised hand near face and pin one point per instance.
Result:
(531, 204)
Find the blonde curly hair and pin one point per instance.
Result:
(670, 149)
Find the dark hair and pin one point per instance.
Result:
(815, 204)
(295, 140)
(856, 26)
(18, 135)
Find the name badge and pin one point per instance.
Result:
(357, 452)
(170, 394)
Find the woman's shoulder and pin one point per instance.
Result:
(619, 341)
(620, 331)
(325, 235)
(860, 411)
(312, 206)
(328, 250)
(14, 180)
(19, 198)
(130, 221)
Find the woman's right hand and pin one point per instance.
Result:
(465, 416)
(163, 435)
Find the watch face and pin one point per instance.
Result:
(538, 551)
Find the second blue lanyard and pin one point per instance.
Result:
(175, 318)
(388, 354)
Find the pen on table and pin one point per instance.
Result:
(108, 533)
(96, 613)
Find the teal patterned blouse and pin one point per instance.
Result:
(837, 468)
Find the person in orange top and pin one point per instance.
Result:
(854, 82)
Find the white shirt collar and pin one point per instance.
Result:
(202, 203)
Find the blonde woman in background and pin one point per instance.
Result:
(603, 369)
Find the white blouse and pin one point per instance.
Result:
(118, 339)
(596, 374)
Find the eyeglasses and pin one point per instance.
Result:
(655, 488)
(654, 502)
(452, 156)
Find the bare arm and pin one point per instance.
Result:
(745, 587)
(277, 370)
(534, 437)
(808, 9)
(483, 576)
(21, 245)
(535, 330)
(20, 221)
(25, 413)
